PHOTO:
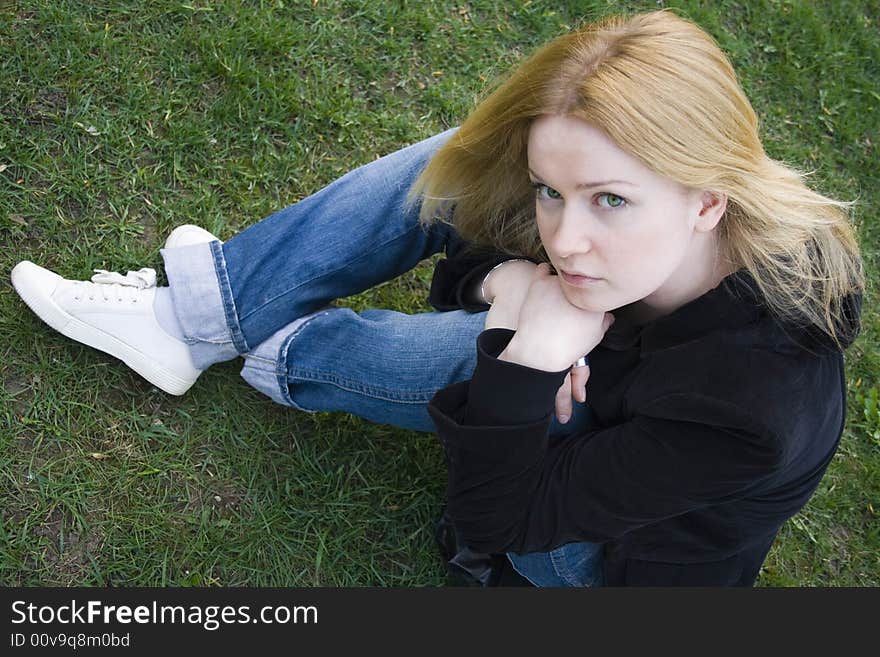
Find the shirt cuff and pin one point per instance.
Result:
(505, 393)
(455, 280)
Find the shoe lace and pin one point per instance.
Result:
(112, 283)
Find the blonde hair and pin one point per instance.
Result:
(661, 89)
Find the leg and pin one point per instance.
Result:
(348, 237)
(228, 297)
(381, 365)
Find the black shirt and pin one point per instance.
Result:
(715, 425)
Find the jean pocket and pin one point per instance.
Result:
(579, 564)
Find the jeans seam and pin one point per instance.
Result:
(281, 369)
(232, 321)
(560, 566)
(328, 273)
(318, 376)
(253, 357)
(220, 341)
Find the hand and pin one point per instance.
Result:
(506, 288)
(574, 386)
(552, 333)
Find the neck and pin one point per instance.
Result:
(703, 270)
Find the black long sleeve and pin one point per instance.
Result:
(712, 427)
(513, 489)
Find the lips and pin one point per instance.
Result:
(577, 279)
(578, 273)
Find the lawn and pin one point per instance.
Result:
(120, 120)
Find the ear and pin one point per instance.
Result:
(710, 209)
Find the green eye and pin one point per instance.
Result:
(610, 200)
(545, 192)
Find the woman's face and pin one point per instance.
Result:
(615, 231)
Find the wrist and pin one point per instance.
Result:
(489, 286)
(534, 356)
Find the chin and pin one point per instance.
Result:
(592, 302)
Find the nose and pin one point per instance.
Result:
(572, 233)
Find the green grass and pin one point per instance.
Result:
(120, 120)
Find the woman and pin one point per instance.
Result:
(625, 157)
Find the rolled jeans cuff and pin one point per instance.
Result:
(265, 368)
(203, 302)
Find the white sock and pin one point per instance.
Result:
(163, 306)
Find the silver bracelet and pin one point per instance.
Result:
(486, 277)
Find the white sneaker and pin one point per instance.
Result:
(113, 313)
(187, 235)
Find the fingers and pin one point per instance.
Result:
(575, 385)
(579, 376)
(563, 400)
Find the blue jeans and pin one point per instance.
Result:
(265, 294)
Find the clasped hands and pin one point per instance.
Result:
(551, 333)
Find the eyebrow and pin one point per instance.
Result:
(589, 185)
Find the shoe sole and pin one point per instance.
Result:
(71, 327)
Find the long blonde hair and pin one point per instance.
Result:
(661, 88)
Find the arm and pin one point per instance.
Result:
(457, 280)
(511, 489)
(504, 285)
